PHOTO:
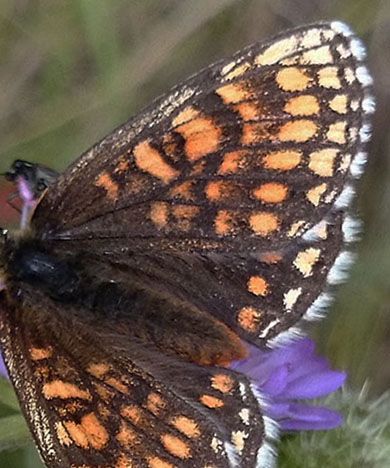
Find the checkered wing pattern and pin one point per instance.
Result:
(102, 407)
(229, 193)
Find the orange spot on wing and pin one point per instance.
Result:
(215, 190)
(322, 162)
(117, 384)
(302, 105)
(64, 390)
(132, 413)
(73, 407)
(77, 434)
(156, 462)
(155, 403)
(95, 432)
(201, 136)
(254, 133)
(159, 214)
(222, 382)
(185, 211)
(248, 110)
(271, 193)
(211, 402)
(248, 319)
(176, 446)
(229, 72)
(36, 354)
(98, 369)
(298, 130)
(231, 162)
(184, 215)
(263, 223)
(292, 79)
(198, 168)
(282, 160)
(233, 93)
(258, 286)
(223, 222)
(189, 113)
(126, 436)
(148, 159)
(104, 180)
(270, 257)
(122, 462)
(104, 393)
(103, 411)
(187, 426)
(182, 190)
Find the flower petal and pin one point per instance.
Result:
(3, 370)
(277, 410)
(277, 381)
(304, 417)
(314, 385)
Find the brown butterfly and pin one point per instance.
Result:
(210, 220)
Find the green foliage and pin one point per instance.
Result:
(362, 441)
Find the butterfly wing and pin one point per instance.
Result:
(230, 175)
(270, 131)
(91, 402)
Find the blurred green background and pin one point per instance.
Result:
(71, 71)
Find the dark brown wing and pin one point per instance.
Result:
(247, 148)
(212, 195)
(92, 402)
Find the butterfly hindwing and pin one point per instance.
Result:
(107, 410)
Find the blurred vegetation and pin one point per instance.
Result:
(72, 71)
(363, 441)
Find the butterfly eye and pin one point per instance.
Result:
(41, 185)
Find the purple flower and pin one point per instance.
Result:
(3, 370)
(289, 373)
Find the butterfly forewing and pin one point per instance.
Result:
(246, 153)
(248, 156)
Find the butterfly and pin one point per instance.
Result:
(215, 218)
